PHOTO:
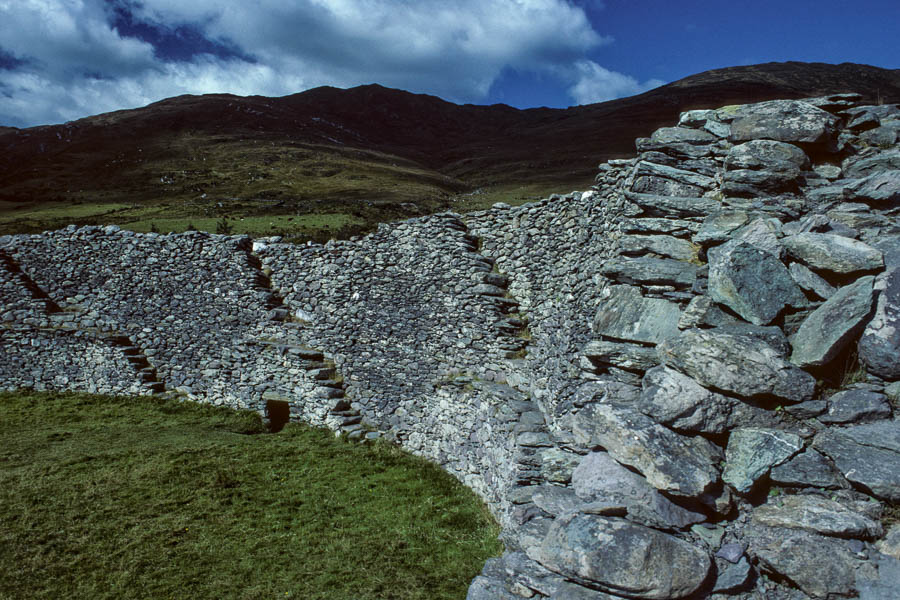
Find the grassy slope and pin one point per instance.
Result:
(136, 498)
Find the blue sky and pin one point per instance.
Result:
(64, 59)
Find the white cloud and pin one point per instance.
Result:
(597, 84)
(76, 63)
(67, 38)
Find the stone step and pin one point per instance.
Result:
(330, 383)
(329, 392)
(322, 374)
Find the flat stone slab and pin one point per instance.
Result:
(674, 206)
(626, 315)
(867, 455)
(752, 282)
(807, 469)
(739, 365)
(829, 328)
(879, 346)
(752, 452)
(651, 271)
(810, 282)
(632, 357)
(818, 515)
(879, 189)
(679, 465)
(663, 245)
(623, 558)
(821, 566)
(677, 227)
(856, 406)
(834, 253)
(768, 155)
(719, 226)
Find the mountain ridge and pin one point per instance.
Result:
(365, 151)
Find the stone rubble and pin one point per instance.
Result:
(682, 383)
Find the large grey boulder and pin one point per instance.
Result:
(763, 234)
(752, 282)
(672, 463)
(600, 478)
(883, 583)
(822, 567)
(818, 515)
(879, 346)
(784, 121)
(623, 558)
(834, 253)
(763, 166)
(740, 365)
(867, 455)
(625, 314)
(880, 189)
(766, 155)
(752, 452)
(677, 401)
(829, 328)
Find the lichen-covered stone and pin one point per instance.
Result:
(736, 364)
(829, 328)
(752, 282)
(784, 121)
(818, 515)
(677, 401)
(879, 346)
(670, 462)
(626, 315)
(867, 455)
(752, 452)
(834, 253)
(623, 558)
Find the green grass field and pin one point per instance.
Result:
(139, 498)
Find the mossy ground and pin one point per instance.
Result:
(138, 498)
(263, 187)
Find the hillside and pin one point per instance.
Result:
(331, 162)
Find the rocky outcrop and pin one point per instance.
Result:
(680, 384)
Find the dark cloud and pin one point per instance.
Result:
(179, 42)
(9, 62)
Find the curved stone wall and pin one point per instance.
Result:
(680, 384)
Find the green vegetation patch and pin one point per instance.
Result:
(138, 498)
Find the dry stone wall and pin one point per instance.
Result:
(680, 384)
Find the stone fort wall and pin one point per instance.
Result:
(642, 363)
